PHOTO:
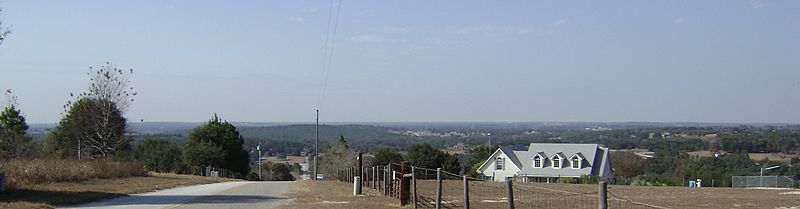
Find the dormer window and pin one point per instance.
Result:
(537, 161)
(556, 162)
(498, 163)
(576, 162)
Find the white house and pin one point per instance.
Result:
(546, 162)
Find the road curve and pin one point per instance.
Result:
(241, 194)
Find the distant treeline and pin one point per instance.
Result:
(294, 139)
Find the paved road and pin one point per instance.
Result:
(219, 195)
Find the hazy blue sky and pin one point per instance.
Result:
(702, 61)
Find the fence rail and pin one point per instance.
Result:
(434, 188)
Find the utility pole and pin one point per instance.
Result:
(316, 148)
(259, 160)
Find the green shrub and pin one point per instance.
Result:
(651, 180)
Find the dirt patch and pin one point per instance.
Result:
(333, 194)
(541, 195)
(684, 197)
(781, 157)
(289, 159)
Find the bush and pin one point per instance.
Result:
(651, 180)
(275, 172)
(159, 155)
(20, 172)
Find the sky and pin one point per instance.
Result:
(414, 61)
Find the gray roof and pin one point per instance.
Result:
(593, 159)
(512, 156)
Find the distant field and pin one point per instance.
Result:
(772, 156)
(781, 157)
(289, 159)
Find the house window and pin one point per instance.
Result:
(556, 162)
(537, 162)
(576, 162)
(498, 164)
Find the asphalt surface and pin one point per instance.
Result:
(220, 195)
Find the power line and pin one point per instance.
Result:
(326, 65)
(330, 42)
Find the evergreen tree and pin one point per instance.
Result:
(158, 155)
(386, 155)
(96, 125)
(13, 141)
(217, 144)
(93, 124)
(451, 164)
(424, 155)
(337, 157)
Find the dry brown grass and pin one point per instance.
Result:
(556, 195)
(781, 157)
(333, 194)
(684, 197)
(48, 195)
(36, 171)
(289, 159)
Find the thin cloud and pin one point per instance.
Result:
(309, 10)
(470, 29)
(758, 3)
(524, 31)
(297, 19)
(559, 22)
(491, 30)
(396, 29)
(368, 38)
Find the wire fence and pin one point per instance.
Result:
(763, 181)
(210, 171)
(434, 188)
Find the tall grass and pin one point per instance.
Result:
(34, 171)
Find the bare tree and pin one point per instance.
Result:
(96, 117)
(109, 83)
(3, 32)
(101, 128)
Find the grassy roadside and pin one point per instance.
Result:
(48, 195)
(333, 194)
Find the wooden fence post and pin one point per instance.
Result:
(438, 188)
(510, 191)
(359, 172)
(405, 184)
(602, 196)
(390, 181)
(466, 193)
(386, 181)
(414, 185)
